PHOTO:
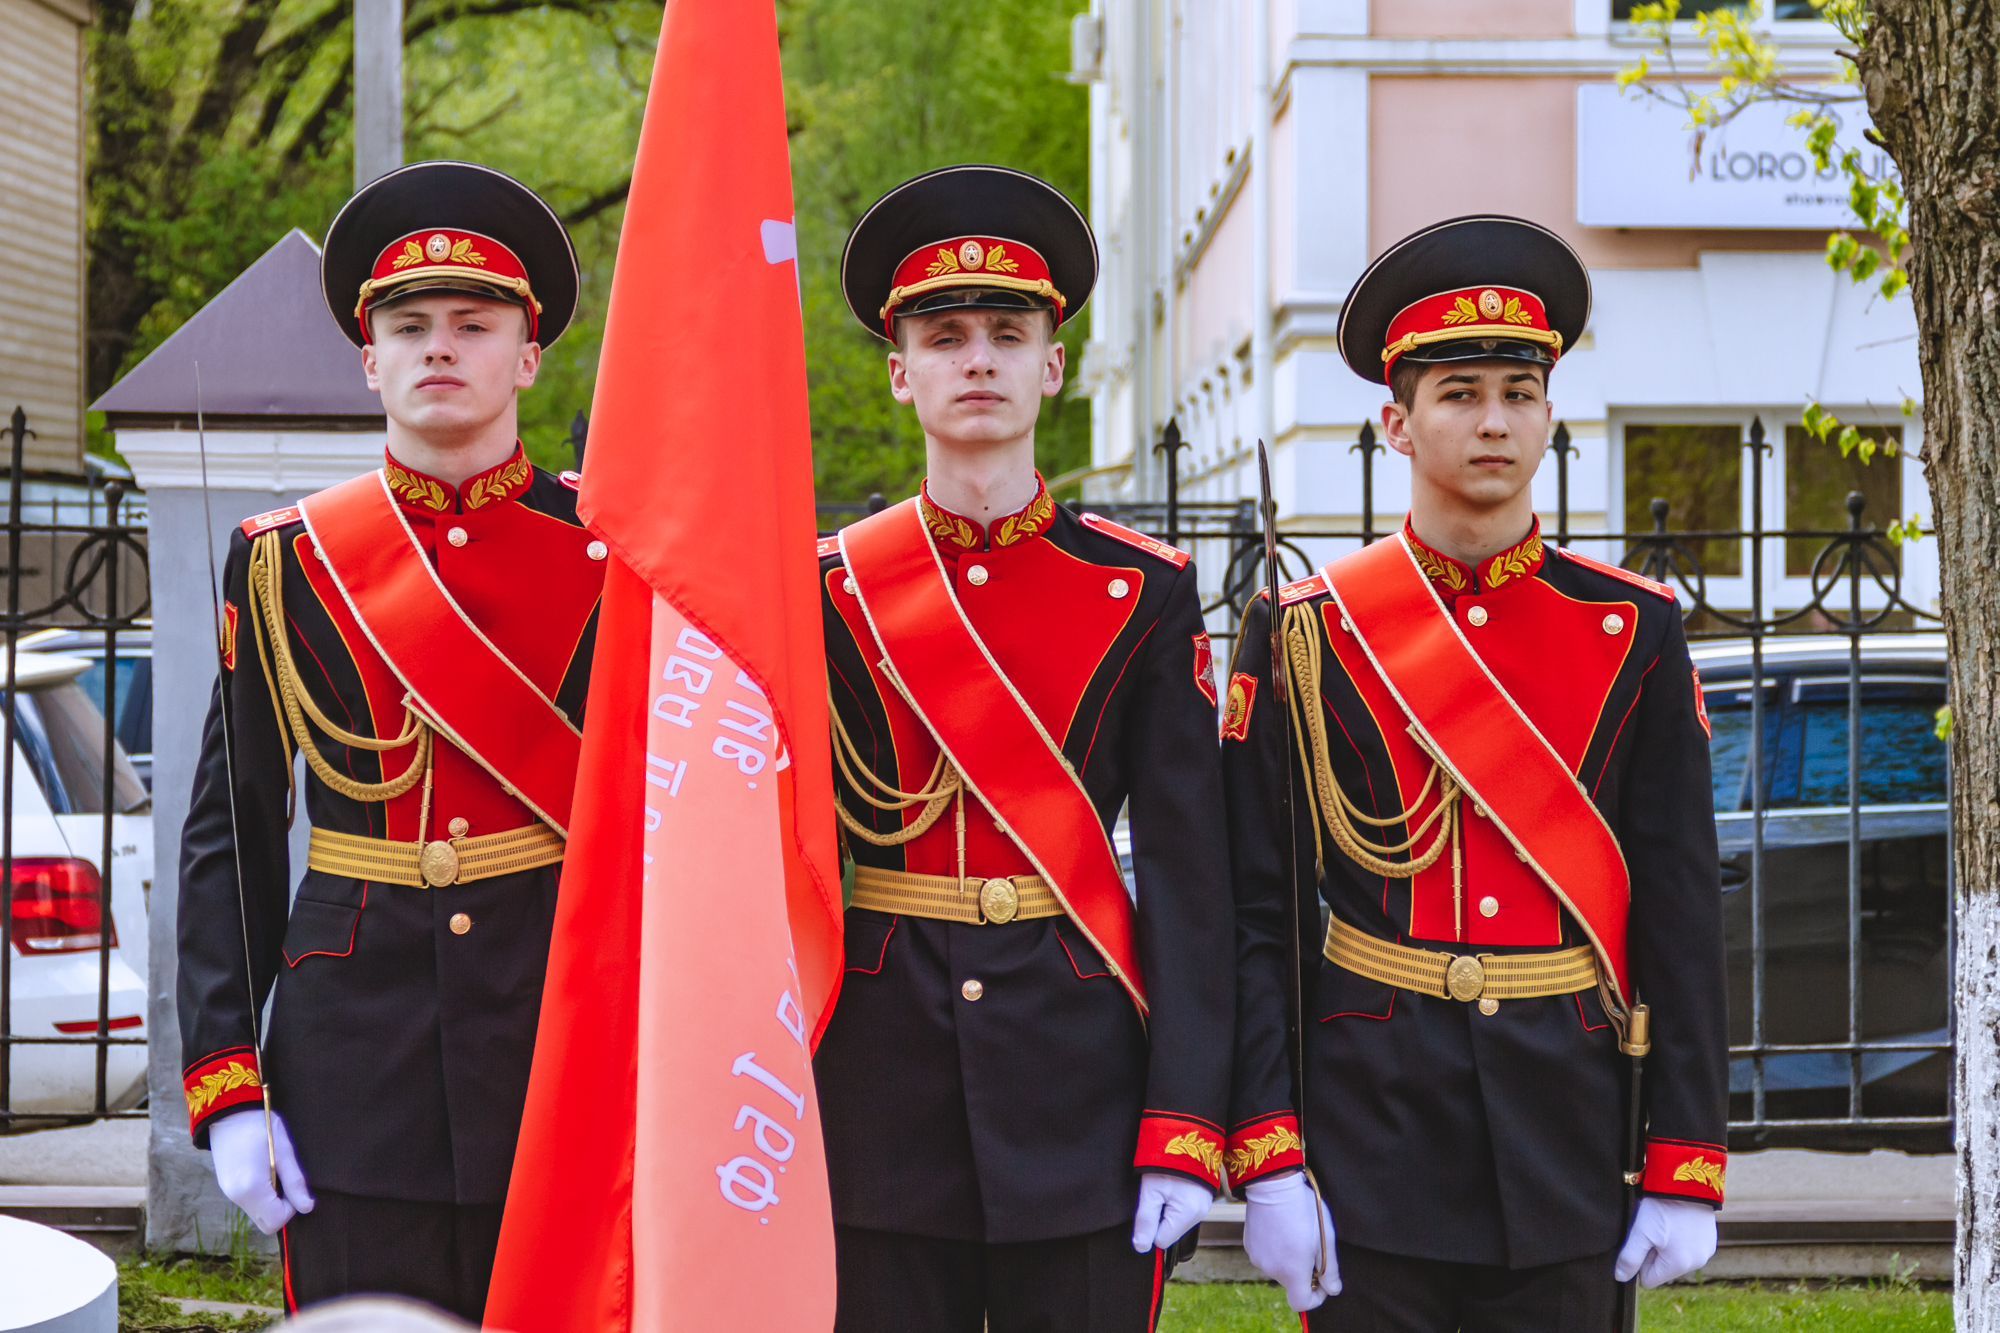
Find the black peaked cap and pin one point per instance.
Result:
(1480, 250)
(461, 195)
(969, 200)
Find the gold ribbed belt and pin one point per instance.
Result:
(436, 864)
(1464, 977)
(970, 902)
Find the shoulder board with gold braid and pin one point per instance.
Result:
(1623, 575)
(277, 518)
(1150, 545)
(828, 546)
(1303, 590)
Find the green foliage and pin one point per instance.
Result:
(1882, 1307)
(878, 91)
(1943, 720)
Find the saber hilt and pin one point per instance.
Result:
(1637, 1042)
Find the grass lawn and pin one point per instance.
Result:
(144, 1284)
(1246, 1307)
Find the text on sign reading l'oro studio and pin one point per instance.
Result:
(731, 1076)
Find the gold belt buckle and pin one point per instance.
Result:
(999, 901)
(1465, 978)
(438, 863)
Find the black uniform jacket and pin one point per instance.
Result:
(398, 1047)
(1018, 1116)
(1437, 1130)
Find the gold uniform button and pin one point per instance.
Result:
(1489, 906)
(460, 923)
(1489, 1006)
(597, 550)
(1119, 587)
(457, 537)
(459, 827)
(321, 554)
(976, 575)
(1346, 625)
(972, 990)
(1613, 623)
(1476, 616)
(847, 586)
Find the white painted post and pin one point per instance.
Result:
(378, 88)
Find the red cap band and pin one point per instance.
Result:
(968, 261)
(437, 257)
(1471, 312)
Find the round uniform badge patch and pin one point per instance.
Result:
(438, 247)
(972, 254)
(1490, 304)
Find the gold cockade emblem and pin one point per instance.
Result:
(1490, 304)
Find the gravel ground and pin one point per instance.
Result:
(110, 1152)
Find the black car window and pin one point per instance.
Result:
(1805, 742)
(1902, 759)
(62, 734)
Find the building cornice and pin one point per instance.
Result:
(250, 460)
(1812, 54)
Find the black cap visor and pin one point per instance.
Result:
(1478, 349)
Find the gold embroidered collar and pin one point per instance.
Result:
(957, 535)
(1453, 578)
(416, 490)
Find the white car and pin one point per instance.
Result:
(53, 900)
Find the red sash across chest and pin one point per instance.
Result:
(1511, 707)
(998, 691)
(466, 674)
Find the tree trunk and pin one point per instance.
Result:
(1931, 69)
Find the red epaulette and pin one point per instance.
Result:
(573, 480)
(1150, 545)
(277, 518)
(1302, 590)
(828, 546)
(1624, 575)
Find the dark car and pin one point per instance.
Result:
(1897, 873)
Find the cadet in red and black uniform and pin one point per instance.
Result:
(1501, 766)
(1023, 1080)
(423, 635)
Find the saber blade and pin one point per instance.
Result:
(229, 779)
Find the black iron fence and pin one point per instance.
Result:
(1831, 785)
(74, 859)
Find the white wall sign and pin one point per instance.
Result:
(1635, 167)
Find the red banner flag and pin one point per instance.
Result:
(670, 1173)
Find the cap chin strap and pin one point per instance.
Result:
(1472, 333)
(1035, 286)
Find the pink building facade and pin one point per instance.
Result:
(1223, 277)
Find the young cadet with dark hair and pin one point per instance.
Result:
(1501, 765)
(1024, 1075)
(423, 635)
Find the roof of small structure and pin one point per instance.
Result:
(266, 346)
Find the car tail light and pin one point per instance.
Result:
(54, 905)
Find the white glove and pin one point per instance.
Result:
(1282, 1230)
(1669, 1238)
(1169, 1207)
(243, 1169)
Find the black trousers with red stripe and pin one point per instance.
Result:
(1095, 1283)
(351, 1245)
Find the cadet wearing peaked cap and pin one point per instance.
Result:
(1023, 1080)
(1502, 768)
(423, 634)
